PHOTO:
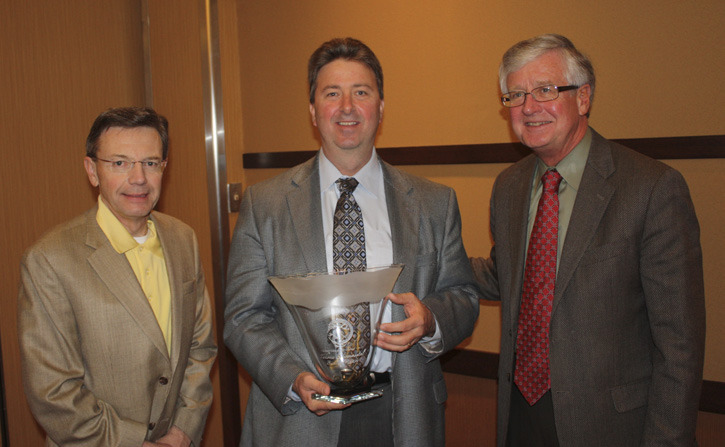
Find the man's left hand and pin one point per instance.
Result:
(401, 335)
(174, 438)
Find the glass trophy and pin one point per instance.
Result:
(338, 315)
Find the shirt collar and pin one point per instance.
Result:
(570, 167)
(117, 234)
(369, 177)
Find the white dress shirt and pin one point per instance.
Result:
(370, 196)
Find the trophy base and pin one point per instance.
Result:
(351, 399)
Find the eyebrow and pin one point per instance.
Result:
(336, 86)
(536, 85)
(126, 157)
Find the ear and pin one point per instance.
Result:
(312, 114)
(583, 99)
(382, 107)
(90, 166)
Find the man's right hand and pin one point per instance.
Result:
(306, 384)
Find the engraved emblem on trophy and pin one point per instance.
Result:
(339, 315)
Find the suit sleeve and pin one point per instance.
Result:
(53, 369)
(485, 269)
(251, 322)
(196, 392)
(454, 298)
(672, 281)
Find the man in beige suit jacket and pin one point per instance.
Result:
(114, 318)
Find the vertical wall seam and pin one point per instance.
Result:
(146, 32)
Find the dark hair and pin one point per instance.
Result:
(342, 48)
(579, 69)
(128, 117)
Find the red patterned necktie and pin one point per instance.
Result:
(532, 342)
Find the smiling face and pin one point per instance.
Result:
(553, 128)
(347, 110)
(131, 195)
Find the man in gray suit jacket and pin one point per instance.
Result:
(623, 340)
(114, 318)
(284, 228)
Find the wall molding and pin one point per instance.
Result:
(695, 147)
(484, 365)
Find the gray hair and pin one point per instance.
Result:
(579, 69)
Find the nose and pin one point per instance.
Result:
(346, 103)
(137, 175)
(530, 105)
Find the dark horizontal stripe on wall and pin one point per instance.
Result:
(484, 365)
(709, 146)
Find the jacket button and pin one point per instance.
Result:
(163, 380)
(152, 425)
(508, 377)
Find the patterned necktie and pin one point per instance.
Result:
(532, 342)
(348, 238)
(348, 255)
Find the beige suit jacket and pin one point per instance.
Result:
(96, 369)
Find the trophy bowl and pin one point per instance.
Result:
(339, 315)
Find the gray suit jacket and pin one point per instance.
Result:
(628, 321)
(279, 232)
(96, 368)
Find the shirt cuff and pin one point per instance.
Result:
(291, 395)
(434, 344)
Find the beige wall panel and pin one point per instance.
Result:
(709, 431)
(61, 66)
(441, 59)
(470, 411)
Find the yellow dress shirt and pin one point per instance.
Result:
(147, 261)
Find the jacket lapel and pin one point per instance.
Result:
(176, 283)
(403, 214)
(519, 197)
(592, 200)
(115, 272)
(303, 201)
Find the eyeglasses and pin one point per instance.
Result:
(540, 94)
(123, 166)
